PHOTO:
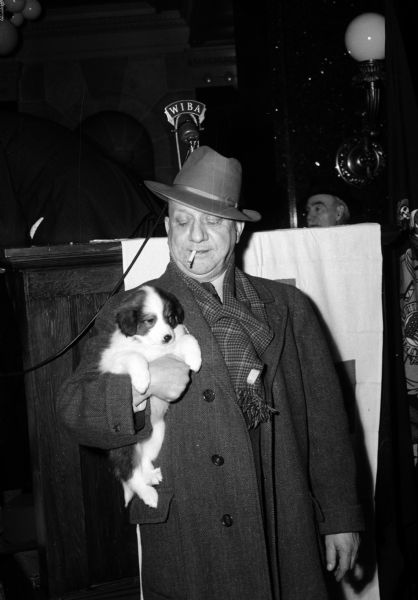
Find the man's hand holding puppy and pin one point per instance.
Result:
(169, 378)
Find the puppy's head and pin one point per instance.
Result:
(151, 314)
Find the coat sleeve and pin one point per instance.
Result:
(95, 407)
(331, 458)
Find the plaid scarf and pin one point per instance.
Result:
(240, 327)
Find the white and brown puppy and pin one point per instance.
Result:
(148, 325)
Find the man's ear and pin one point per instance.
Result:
(167, 224)
(339, 213)
(239, 227)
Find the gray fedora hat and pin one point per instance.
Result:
(208, 182)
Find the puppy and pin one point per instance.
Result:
(148, 325)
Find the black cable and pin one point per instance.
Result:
(86, 328)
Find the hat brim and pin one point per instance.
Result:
(213, 207)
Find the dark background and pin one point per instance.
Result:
(291, 108)
(294, 103)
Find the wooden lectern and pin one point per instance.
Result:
(85, 541)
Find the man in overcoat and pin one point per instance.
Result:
(258, 498)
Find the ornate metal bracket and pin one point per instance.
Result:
(360, 160)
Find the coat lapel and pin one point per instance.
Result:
(277, 318)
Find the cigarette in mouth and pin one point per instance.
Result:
(191, 258)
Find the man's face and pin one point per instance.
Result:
(322, 211)
(212, 237)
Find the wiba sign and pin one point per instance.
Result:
(191, 107)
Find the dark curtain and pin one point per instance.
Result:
(51, 173)
(396, 486)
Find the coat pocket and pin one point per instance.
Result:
(164, 573)
(140, 513)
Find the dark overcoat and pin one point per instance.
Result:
(206, 539)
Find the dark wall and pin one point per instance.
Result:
(297, 104)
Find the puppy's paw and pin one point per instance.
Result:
(140, 381)
(150, 496)
(190, 350)
(139, 484)
(128, 493)
(151, 475)
(156, 476)
(195, 362)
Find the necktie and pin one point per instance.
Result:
(209, 287)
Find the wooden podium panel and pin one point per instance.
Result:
(83, 533)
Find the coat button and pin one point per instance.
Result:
(218, 460)
(227, 520)
(116, 428)
(209, 395)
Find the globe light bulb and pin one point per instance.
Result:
(14, 6)
(365, 37)
(32, 10)
(8, 38)
(17, 19)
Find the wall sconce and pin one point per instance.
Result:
(13, 14)
(360, 159)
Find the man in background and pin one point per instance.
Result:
(326, 210)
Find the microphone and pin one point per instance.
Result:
(186, 116)
(188, 132)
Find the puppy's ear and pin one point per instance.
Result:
(173, 310)
(127, 319)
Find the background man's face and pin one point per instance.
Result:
(212, 237)
(321, 211)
